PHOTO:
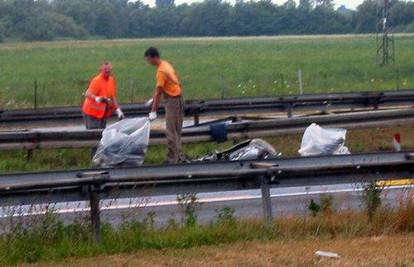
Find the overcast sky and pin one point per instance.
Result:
(352, 4)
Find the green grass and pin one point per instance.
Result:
(48, 239)
(358, 141)
(53, 159)
(209, 68)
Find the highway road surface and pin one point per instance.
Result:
(246, 204)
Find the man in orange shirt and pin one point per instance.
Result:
(100, 99)
(169, 85)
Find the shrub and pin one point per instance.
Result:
(225, 216)
(314, 208)
(371, 197)
(404, 220)
(63, 26)
(409, 28)
(327, 204)
(188, 206)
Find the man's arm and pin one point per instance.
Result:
(89, 94)
(92, 92)
(118, 110)
(156, 99)
(157, 95)
(115, 102)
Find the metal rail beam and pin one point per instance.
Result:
(64, 186)
(314, 102)
(209, 171)
(38, 139)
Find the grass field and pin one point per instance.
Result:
(385, 240)
(209, 67)
(368, 251)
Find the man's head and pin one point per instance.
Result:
(106, 69)
(152, 56)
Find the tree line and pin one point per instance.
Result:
(78, 19)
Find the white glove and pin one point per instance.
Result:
(119, 113)
(152, 116)
(149, 102)
(100, 99)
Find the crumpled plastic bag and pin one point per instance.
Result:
(256, 149)
(321, 141)
(123, 143)
(248, 150)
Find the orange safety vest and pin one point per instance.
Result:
(102, 87)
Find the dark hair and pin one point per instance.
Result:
(152, 52)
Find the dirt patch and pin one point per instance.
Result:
(373, 251)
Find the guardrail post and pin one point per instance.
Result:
(196, 119)
(35, 94)
(266, 200)
(398, 78)
(29, 154)
(289, 110)
(325, 108)
(94, 189)
(95, 212)
(300, 81)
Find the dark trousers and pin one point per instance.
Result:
(92, 123)
(174, 114)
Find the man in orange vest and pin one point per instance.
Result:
(100, 99)
(169, 85)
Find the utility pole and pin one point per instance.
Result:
(384, 36)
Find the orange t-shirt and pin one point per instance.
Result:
(167, 79)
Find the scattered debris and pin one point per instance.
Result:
(327, 254)
(247, 150)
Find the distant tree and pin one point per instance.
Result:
(290, 4)
(36, 28)
(49, 19)
(164, 3)
(138, 22)
(402, 13)
(63, 26)
(305, 5)
(409, 28)
(329, 4)
(209, 18)
(82, 12)
(3, 24)
(366, 17)
(342, 10)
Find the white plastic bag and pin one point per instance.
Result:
(320, 141)
(124, 142)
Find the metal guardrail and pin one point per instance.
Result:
(39, 139)
(194, 108)
(94, 185)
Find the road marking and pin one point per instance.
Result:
(396, 182)
(142, 204)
